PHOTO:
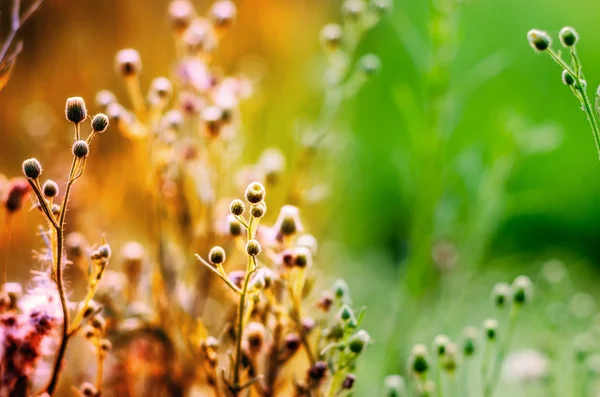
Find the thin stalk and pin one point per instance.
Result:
(485, 362)
(492, 382)
(438, 378)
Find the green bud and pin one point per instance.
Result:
(522, 290)
(501, 294)
(394, 386)
(440, 342)
(418, 362)
(358, 341)
(340, 289)
(370, 64)
(490, 329)
(470, 341)
(216, 255)
(567, 78)
(568, 36)
(539, 40)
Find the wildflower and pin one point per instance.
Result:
(237, 207)
(216, 255)
(470, 341)
(32, 168)
(501, 294)
(258, 210)
(522, 290)
(440, 342)
(255, 193)
(181, 13)
(418, 362)
(50, 188)
(253, 247)
(348, 382)
(370, 64)
(358, 341)
(331, 35)
(490, 329)
(104, 98)
(254, 333)
(81, 149)
(100, 123)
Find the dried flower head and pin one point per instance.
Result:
(81, 149)
(253, 247)
(32, 168)
(50, 188)
(216, 255)
(75, 110)
(100, 123)
(255, 193)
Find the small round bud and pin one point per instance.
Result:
(223, 13)
(258, 210)
(32, 168)
(370, 64)
(292, 342)
(173, 119)
(104, 251)
(81, 149)
(161, 87)
(450, 362)
(105, 345)
(567, 78)
(394, 386)
(348, 382)
(470, 341)
(55, 209)
(324, 303)
(89, 332)
(539, 40)
(288, 222)
(104, 98)
(88, 390)
(331, 36)
(237, 207)
(128, 62)
(568, 36)
(500, 294)
(50, 188)
(75, 109)
(100, 123)
(216, 255)
(346, 313)
(522, 290)
(317, 371)
(358, 341)
(302, 257)
(418, 362)
(253, 247)
(490, 329)
(235, 227)
(254, 333)
(354, 9)
(340, 289)
(255, 192)
(440, 342)
(181, 13)
(99, 323)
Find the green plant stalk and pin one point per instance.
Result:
(438, 379)
(492, 382)
(485, 361)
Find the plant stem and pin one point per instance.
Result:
(491, 384)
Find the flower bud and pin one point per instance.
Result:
(450, 362)
(237, 207)
(568, 36)
(309, 241)
(104, 98)
(302, 257)
(223, 13)
(216, 255)
(288, 222)
(255, 192)
(161, 88)
(235, 227)
(324, 303)
(331, 36)
(252, 247)
(88, 390)
(470, 341)
(500, 294)
(539, 40)
(521, 290)
(75, 109)
(353, 9)
(254, 333)
(358, 341)
(567, 78)
(50, 188)
(81, 149)
(258, 210)
(55, 209)
(128, 62)
(317, 371)
(490, 329)
(100, 123)
(292, 342)
(370, 64)
(32, 168)
(181, 14)
(105, 345)
(341, 289)
(394, 386)
(346, 313)
(440, 342)
(348, 382)
(99, 323)
(104, 251)
(418, 362)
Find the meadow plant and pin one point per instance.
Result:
(242, 317)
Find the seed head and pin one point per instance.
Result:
(50, 188)
(501, 294)
(75, 109)
(258, 210)
(100, 123)
(490, 329)
(331, 36)
(288, 222)
(237, 207)
(522, 290)
(539, 40)
(568, 36)
(216, 255)
(255, 192)
(128, 62)
(394, 386)
(418, 362)
(440, 342)
(253, 247)
(32, 168)
(567, 78)
(81, 149)
(235, 227)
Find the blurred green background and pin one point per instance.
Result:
(543, 205)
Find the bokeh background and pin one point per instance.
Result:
(520, 173)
